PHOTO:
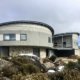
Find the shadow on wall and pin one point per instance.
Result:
(64, 53)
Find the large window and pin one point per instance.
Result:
(64, 44)
(9, 37)
(23, 37)
(36, 51)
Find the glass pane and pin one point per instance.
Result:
(6, 37)
(36, 51)
(23, 37)
(49, 39)
(9, 37)
(12, 36)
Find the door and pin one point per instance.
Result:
(4, 51)
(36, 51)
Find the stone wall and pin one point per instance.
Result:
(14, 51)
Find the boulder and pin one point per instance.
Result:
(49, 65)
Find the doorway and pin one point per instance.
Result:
(4, 51)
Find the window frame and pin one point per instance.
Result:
(10, 39)
(36, 51)
(49, 40)
(23, 39)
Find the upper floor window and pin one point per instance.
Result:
(23, 37)
(9, 37)
(64, 44)
(49, 39)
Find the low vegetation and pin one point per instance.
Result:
(21, 65)
(66, 75)
(23, 68)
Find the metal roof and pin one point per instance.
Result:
(68, 33)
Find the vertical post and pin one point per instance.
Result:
(62, 42)
(1, 51)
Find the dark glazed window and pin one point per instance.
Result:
(55, 44)
(36, 51)
(49, 39)
(23, 37)
(9, 37)
(64, 44)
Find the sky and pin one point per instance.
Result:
(62, 15)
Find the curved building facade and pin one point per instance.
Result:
(25, 37)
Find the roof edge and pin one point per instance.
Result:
(28, 22)
(67, 33)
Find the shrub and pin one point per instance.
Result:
(18, 77)
(38, 76)
(71, 65)
(8, 71)
(79, 61)
(73, 57)
(25, 65)
(66, 75)
(56, 76)
(23, 60)
(29, 69)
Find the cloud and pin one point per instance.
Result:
(62, 15)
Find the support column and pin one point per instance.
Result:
(42, 53)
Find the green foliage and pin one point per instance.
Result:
(20, 65)
(23, 69)
(71, 65)
(38, 76)
(79, 61)
(73, 57)
(29, 69)
(21, 60)
(25, 65)
(8, 71)
(66, 75)
(18, 77)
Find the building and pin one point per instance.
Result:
(66, 44)
(25, 37)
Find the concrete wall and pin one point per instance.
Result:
(25, 27)
(36, 35)
(77, 52)
(14, 51)
(42, 53)
(1, 37)
(74, 41)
